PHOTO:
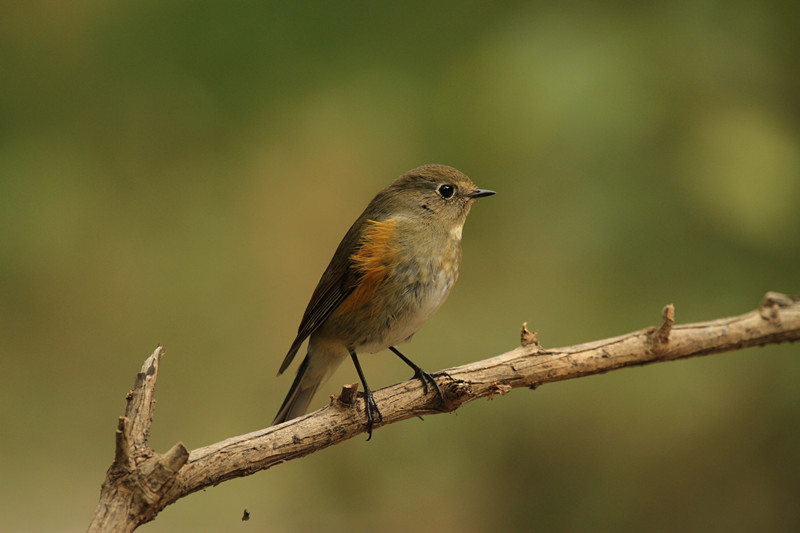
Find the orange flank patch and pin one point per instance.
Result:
(372, 260)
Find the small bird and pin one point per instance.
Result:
(393, 269)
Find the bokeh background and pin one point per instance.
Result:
(180, 172)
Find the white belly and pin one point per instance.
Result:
(406, 325)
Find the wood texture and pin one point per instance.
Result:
(141, 482)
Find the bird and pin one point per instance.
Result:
(391, 272)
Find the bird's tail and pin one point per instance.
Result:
(313, 372)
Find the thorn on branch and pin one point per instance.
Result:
(348, 394)
(771, 306)
(528, 338)
(658, 337)
(777, 298)
(175, 457)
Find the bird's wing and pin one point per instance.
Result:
(336, 284)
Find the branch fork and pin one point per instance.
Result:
(139, 476)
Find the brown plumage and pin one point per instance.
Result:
(393, 269)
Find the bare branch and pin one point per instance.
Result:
(140, 482)
(138, 477)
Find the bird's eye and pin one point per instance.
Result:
(446, 191)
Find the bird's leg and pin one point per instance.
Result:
(370, 407)
(420, 374)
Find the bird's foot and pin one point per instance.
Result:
(425, 377)
(371, 409)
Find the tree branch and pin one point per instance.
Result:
(141, 482)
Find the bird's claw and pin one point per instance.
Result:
(371, 408)
(424, 377)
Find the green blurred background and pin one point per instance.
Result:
(180, 172)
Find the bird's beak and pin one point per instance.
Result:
(480, 193)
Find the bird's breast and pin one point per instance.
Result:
(414, 289)
(406, 274)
